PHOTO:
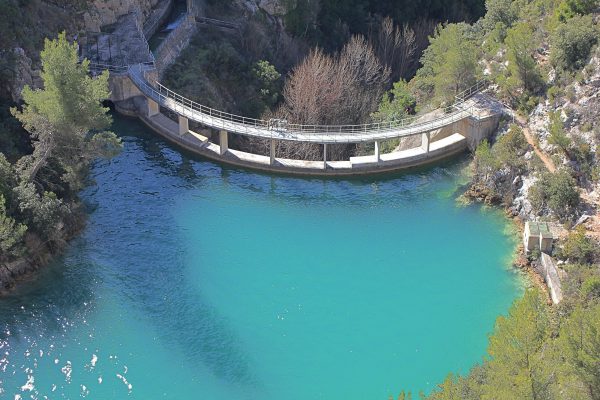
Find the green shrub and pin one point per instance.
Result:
(520, 48)
(570, 8)
(586, 127)
(556, 128)
(590, 289)
(509, 148)
(486, 162)
(396, 104)
(11, 234)
(268, 81)
(553, 94)
(572, 41)
(556, 191)
(507, 155)
(450, 62)
(500, 14)
(581, 152)
(578, 248)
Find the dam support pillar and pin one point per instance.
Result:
(377, 151)
(223, 142)
(272, 153)
(184, 125)
(324, 155)
(153, 108)
(426, 141)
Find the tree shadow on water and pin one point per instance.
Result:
(45, 304)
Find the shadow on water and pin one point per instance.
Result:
(400, 187)
(47, 304)
(138, 189)
(130, 250)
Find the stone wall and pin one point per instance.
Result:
(24, 75)
(107, 12)
(174, 43)
(550, 274)
(157, 17)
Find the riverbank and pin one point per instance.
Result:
(476, 193)
(39, 255)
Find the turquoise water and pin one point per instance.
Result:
(193, 280)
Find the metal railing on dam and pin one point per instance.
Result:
(281, 130)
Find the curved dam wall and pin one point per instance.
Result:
(431, 147)
(201, 145)
(466, 133)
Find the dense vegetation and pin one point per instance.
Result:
(39, 208)
(329, 23)
(225, 74)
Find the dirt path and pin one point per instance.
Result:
(529, 137)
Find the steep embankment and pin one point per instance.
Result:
(40, 212)
(544, 60)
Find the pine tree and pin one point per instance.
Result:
(66, 118)
(450, 62)
(518, 368)
(579, 343)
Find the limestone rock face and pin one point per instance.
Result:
(25, 75)
(578, 105)
(272, 7)
(106, 12)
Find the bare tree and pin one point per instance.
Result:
(330, 90)
(407, 52)
(312, 90)
(396, 47)
(423, 29)
(400, 47)
(364, 80)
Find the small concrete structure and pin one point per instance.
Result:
(425, 141)
(537, 236)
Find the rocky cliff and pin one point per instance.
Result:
(21, 53)
(106, 12)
